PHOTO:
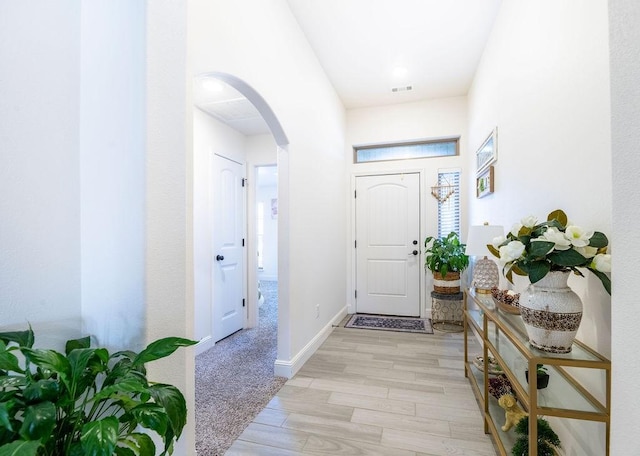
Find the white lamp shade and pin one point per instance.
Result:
(481, 235)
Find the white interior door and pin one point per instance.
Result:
(387, 244)
(228, 250)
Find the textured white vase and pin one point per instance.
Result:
(551, 312)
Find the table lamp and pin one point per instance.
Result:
(485, 272)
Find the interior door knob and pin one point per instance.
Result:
(415, 252)
(219, 258)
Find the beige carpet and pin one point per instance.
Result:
(234, 380)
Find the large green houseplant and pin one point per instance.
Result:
(86, 401)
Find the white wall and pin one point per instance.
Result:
(112, 174)
(446, 117)
(266, 194)
(544, 81)
(39, 169)
(624, 17)
(267, 50)
(210, 137)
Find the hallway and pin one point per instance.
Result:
(367, 392)
(234, 379)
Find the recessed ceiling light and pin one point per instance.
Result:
(212, 85)
(400, 72)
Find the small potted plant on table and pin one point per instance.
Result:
(542, 376)
(446, 259)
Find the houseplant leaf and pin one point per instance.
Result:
(99, 438)
(161, 348)
(138, 443)
(21, 338)
(20, 448)
(151, 416)
(174, 404)
(39, 421)
(9, 362)
(83, 342)
(567, 258)
(42, 390)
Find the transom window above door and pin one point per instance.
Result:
(441, 147)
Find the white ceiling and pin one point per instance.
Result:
(359, 43)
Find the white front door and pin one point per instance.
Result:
(228, 250)
(387, 244)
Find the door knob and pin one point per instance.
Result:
(415, 252)
(415, 242)
(219, 258)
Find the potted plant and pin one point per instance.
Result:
(446, 259)
(548, 441)
(85, 401)
(542, 376)
(547, 253)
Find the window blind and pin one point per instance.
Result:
(449, 210)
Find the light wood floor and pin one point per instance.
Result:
(368, 392)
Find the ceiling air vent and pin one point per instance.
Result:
(401, 89)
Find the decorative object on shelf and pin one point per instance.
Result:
(494, 367)
(546, 253)
(506, 300)
(542, 376)
(548, 441)
(485, 271)
(447, 311)
(485, 183)
(87, 400)
(487, 153)
(513, 413)
(499, 386)
(446, 259)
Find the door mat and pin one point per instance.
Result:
(387, 323)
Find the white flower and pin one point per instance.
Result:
(587, 252)
(512, 251)
(601, 262)
(577, 236)
(529, 221)
(557, 237)
(498, 241)
(515, 229)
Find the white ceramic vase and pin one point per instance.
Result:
(551, 312)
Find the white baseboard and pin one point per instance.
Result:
(205, 344)
(288, 369)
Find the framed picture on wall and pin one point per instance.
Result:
(487, 153)
(484, 183)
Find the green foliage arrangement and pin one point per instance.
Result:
(445, 254)
(548, 440)
(85, 401)
(534, 249)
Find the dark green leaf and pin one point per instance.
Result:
(73, 344)
(50, 360)
(141, 444)
(22, 338)
(9, 382)
(128, 385)
(161, 348)
(9, 362)
(174, 404)
(538, 249)
(124, 451)
(151, 416)
(537, 270)
(39, 421)
(81, 377)
(567, 258)
(42, 390)
(558, 215)
(20, 448)
(606, 281)
(99, 438)
(598, 240)
(5, 414)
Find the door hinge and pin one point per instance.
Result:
(355, 244)
(244, 182)
(242, 302)
(355, 195)
(356, 294)
(242, 242)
